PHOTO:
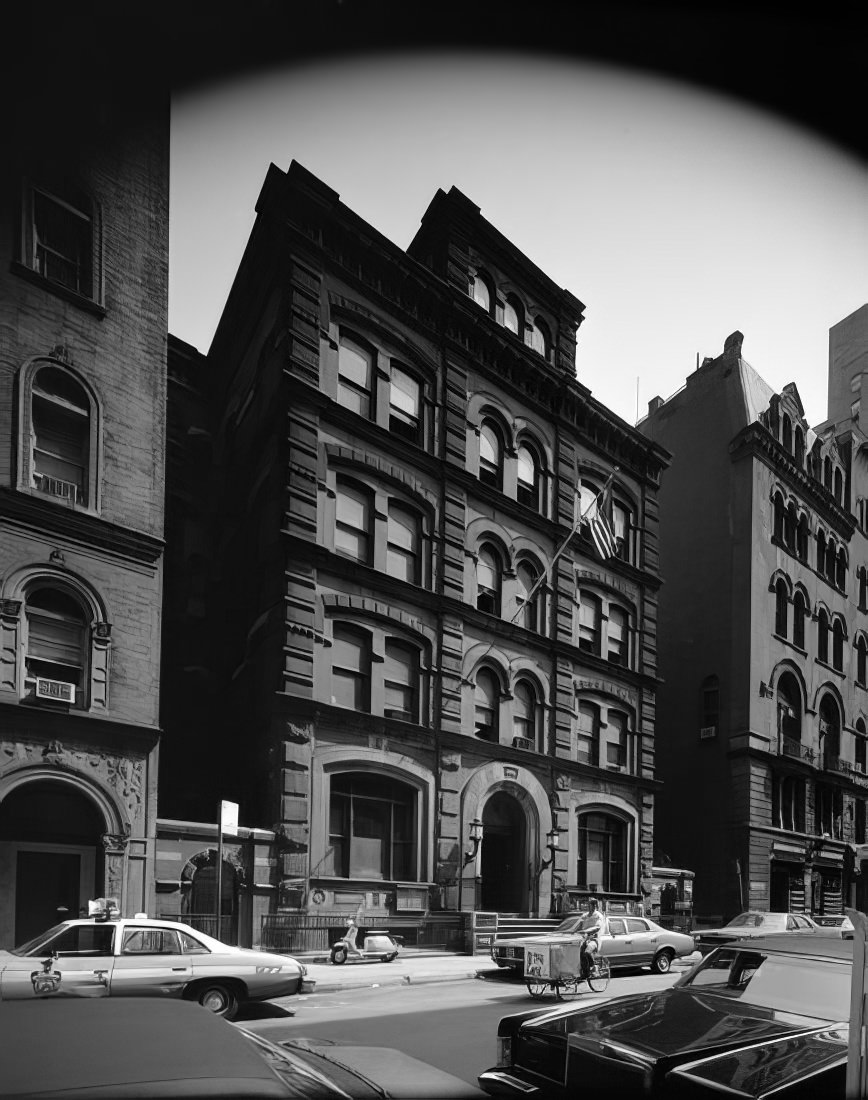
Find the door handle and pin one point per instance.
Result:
(178, 969)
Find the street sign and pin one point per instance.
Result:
(229, 818)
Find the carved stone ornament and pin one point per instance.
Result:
(450, 761)
(115, 842)
(295, 733)
(562, 781)
(53, 753)
(10, 609)
(102, 631)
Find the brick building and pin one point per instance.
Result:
(398, 441)
(762, 635)
(83, 320)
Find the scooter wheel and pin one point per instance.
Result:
(339, 955)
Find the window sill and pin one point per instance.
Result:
(61, 291)
(830, 668)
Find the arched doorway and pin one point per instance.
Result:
(51, 854)
(199, 901)
(504, 887)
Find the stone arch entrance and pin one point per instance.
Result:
(52, 855)
(504, 887)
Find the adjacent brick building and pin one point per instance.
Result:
(398, 444)
(762, 635)
(83, 320)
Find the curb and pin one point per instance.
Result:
(399, 979)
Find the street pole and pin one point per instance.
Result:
(219, 870)
(857, 1054)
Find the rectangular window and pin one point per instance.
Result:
(355, 375)
(590, 612)
(62, 243)
(401, 682)
(617, 746)
(616, 637)
(587, 734)
(405, 406)
(352, 523)
(350, 672)
(402, 544)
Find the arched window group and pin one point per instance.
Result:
(373, 827)
(604, 864)
(831, 636)
(375, 671)
(618, 508)
(521, 595)
(604, 735)
(515, 717)
(791, 527)
(376, 527)
(508, 310)
(382, 387)
(514, 464)
(831, 560)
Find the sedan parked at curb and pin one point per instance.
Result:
(111, 956)
(631, 942)
(138, 1048)
(754, 923)
(755, 1018)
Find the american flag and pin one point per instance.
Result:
(600, 525)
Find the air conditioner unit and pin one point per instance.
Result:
(522, 743)
(56, 690)
(707, 731)
(858, 767)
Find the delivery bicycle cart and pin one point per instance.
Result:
(558, 966)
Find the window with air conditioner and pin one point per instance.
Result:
(60, 429)
(56, 647)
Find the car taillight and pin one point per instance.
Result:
(504, 1051)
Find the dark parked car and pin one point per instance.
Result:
(778, 1001)
(97, 1049)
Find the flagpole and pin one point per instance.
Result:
(576, 525)
(219, 871)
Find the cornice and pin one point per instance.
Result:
(52, 521)
(21, 721)
(755, 439)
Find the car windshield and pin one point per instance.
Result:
(784, 983)
(569, 924)
(32, 946)
(749, 920)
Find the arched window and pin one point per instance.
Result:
(830, 732)
(838, 490)
(590, 620)
(490, 455)
(403, 543)
(602, 863)
(838, 644)
(787, 433)
(530, 481)
(863, 588)
(778, 529)
(788, 803)
(800, 610)
(355, 376)
(827, 473)
(862, 660)
(802, 539)
(588, 734)
(532, 615)
(781, 601)
(539, 338)
(351, 669)
(526, 713)
(353, 516)
(841, 569)
(482, 292)
(790, 524)
(622, 527)
(372, 828)
(60, 435)
(799, 437)
(489, 569)
(823, 635)
(617, 637)
(831, 559)
(789, 707)
(405, 404)
(56, 653)
(401, 681)
(486, 699)
(513, 315)
(821, 553)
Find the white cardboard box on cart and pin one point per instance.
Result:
(551, 961)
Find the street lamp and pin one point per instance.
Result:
(552, 845)
(475, 839)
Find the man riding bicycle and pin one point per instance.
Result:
(594, 925)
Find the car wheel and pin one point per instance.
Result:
(219, 999)
(662, 962)
(390, 958)
(339, 955)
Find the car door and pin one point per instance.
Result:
(82, 966)
(150, 963)
(641, 940)
(613, 945)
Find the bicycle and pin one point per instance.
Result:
(567, 986)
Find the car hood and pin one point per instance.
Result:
(398, 1074)
(663, 1024)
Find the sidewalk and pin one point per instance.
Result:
(413, 966)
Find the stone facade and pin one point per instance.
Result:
(398, 438)
(83, 319)
(762, 642)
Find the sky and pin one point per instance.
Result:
(677, 215)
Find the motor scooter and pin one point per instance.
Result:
(378, 946)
